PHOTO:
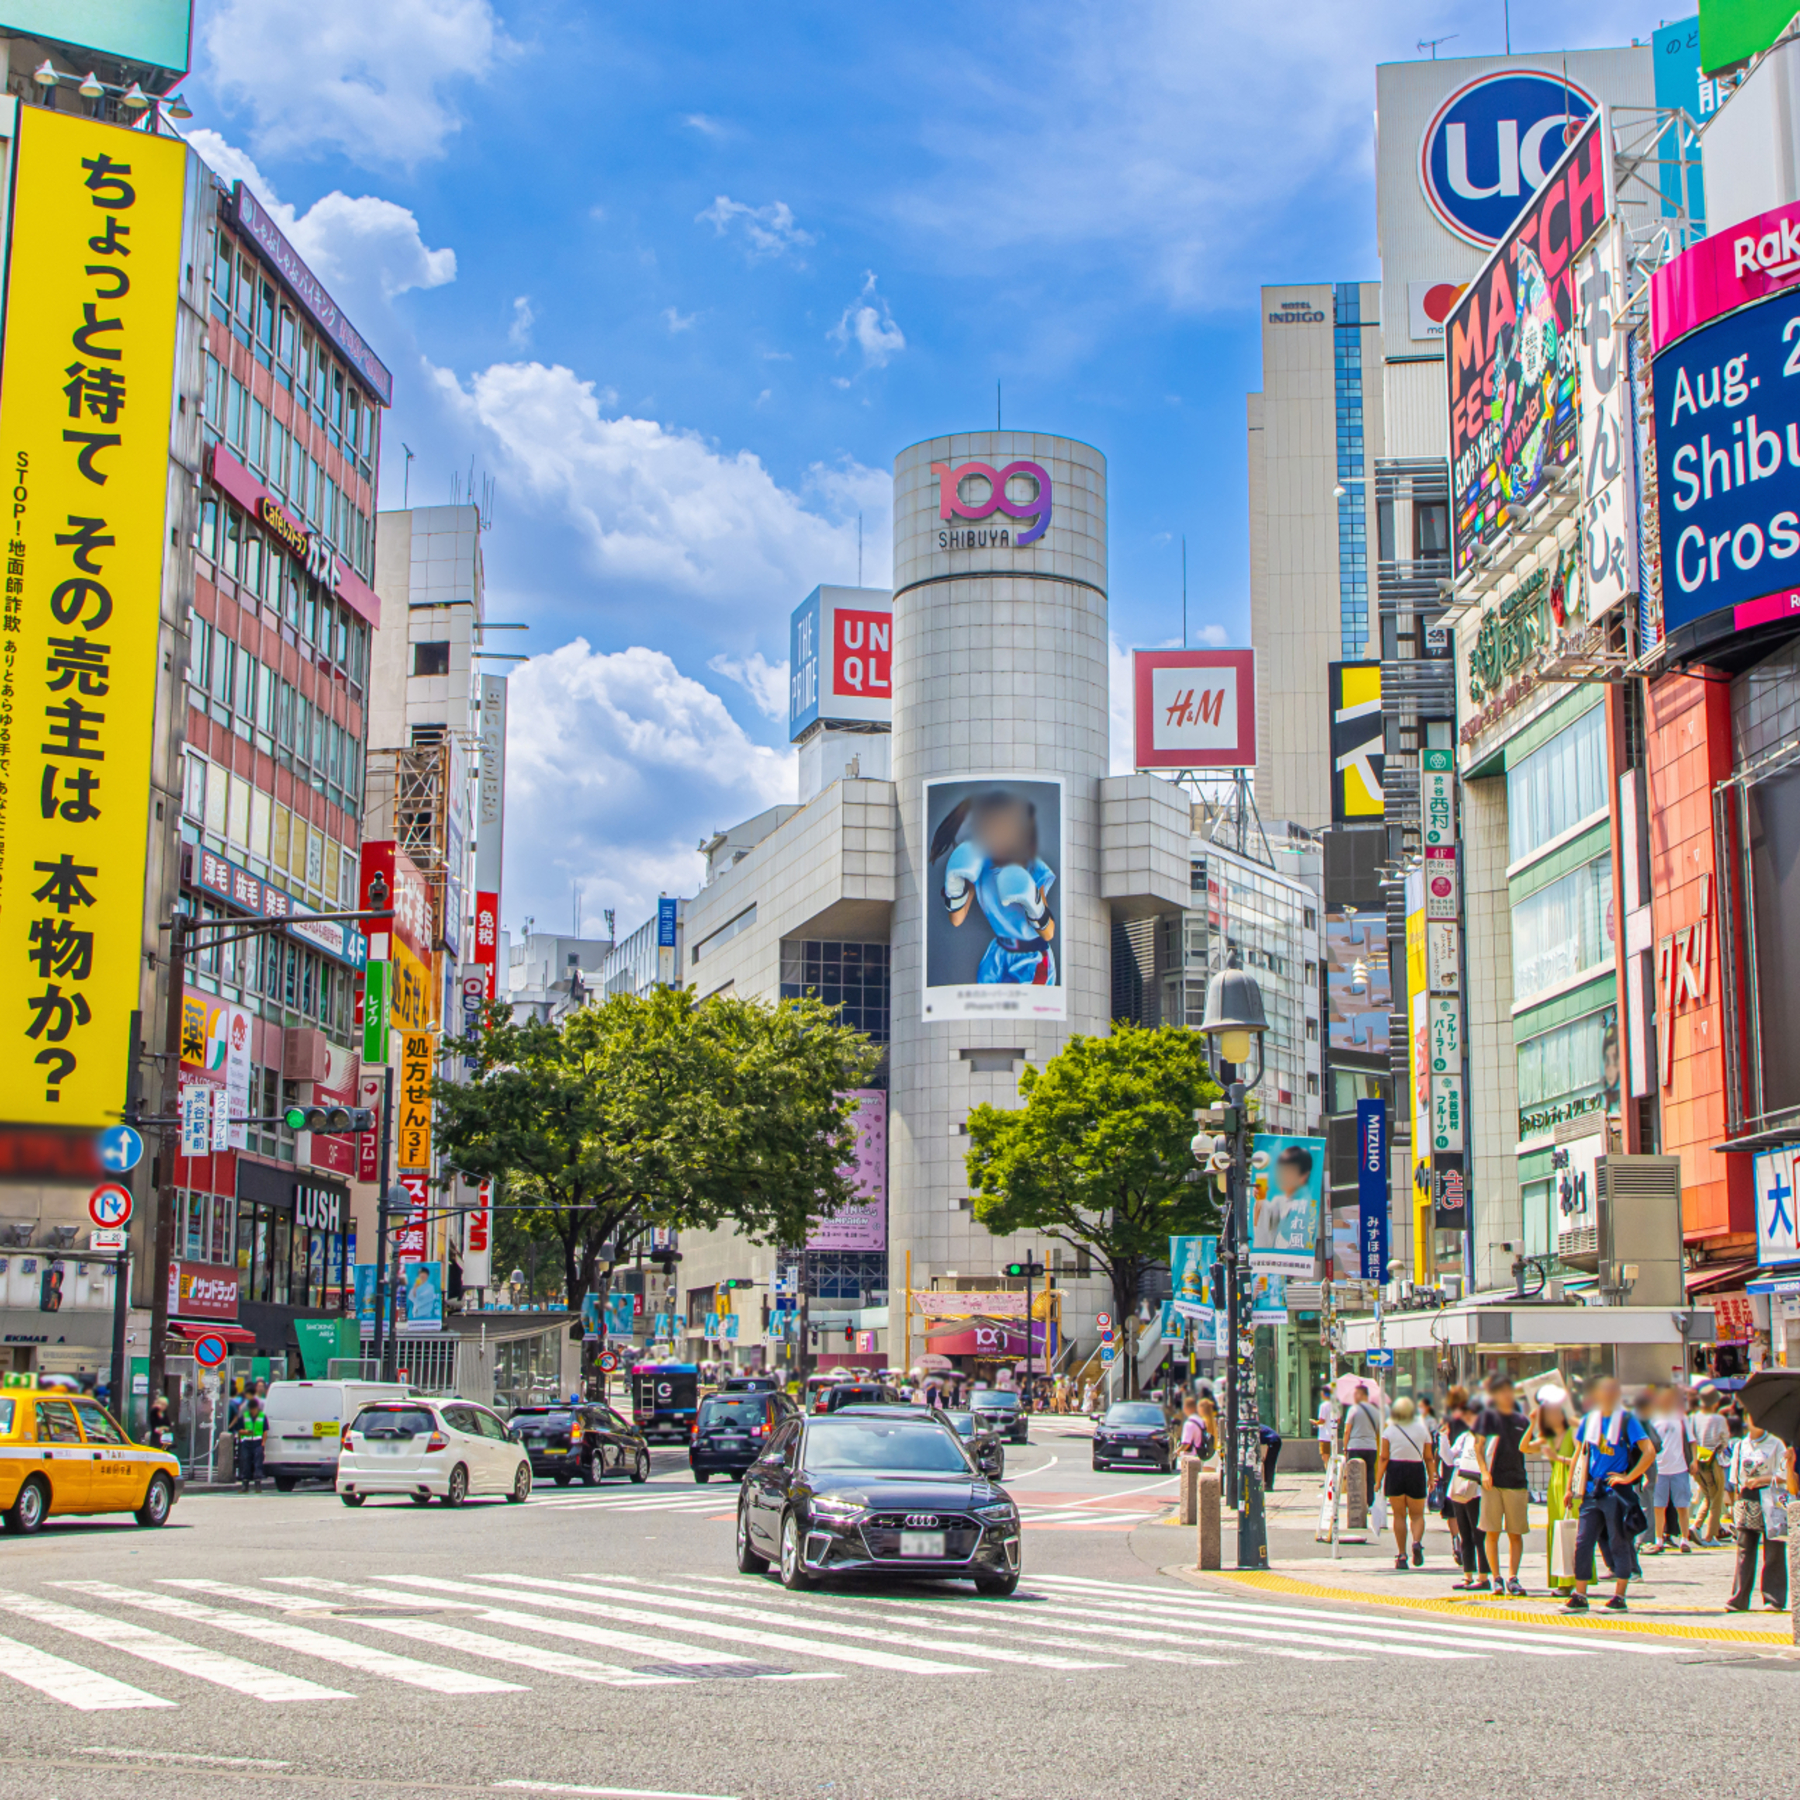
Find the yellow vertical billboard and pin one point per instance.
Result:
(86, 389)
(412, 1128)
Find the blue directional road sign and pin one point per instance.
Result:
(1379, 1359)
(120, 1149)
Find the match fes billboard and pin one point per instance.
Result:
(1514, 383)
(1194, 709)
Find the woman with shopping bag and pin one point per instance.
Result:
(1552, 1437)
(1759, 1476)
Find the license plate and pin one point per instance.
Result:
(921, 1543)
(385, 1449)
(1131, 1453)
(732, 1443)
(550, 1450)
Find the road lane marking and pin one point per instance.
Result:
(169, 1652)
(433, 1677)
(566, 1787)
(573, 1598)
(194, 1756)
(70, 1683)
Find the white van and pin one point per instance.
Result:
(306, 1424)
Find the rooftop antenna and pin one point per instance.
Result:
(996, 405)
(406, 477)
(1184, 629)
(611, 929)
(1506, 13)
(576, 887)
(1431, 44)
(859, 549)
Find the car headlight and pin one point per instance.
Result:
(1000, 1512)
(837, 1506)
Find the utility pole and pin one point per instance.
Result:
(163, 1241)
(1030, 1269)
(380, 1345)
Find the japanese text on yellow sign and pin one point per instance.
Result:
(418, 1053)
(84, 440)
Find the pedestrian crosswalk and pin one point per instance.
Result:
(97, 1646)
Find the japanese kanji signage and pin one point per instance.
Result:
(412, 1133)
(1777, 1237)
(84, 434)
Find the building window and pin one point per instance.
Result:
(853, 977)
(1565, 927)
(431, 659)
(1569, 1072)
(1558, 785)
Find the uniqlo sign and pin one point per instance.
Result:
(862, 654)
(1195, 709)
(840, 659)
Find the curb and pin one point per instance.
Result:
(1511, 1615)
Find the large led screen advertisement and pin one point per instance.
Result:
(1728, 470)
(994, 853)
(1358, 993)
(1287, 1187)
(1511, 353)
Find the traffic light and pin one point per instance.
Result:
(737, 1282)
(1023, 1271)
(334, 1119)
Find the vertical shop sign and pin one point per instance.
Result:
(1372, 1187)
(1437, 798)
(84, 437)
(412, 1133)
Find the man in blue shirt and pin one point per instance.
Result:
(1613, 1452)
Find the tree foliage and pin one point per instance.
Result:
(1098, 1156)
(659, 1110)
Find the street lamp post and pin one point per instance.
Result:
(1233, 1026)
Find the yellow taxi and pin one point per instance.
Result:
(63, 1453)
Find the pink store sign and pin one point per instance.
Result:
(1719, 274)
(862, 1224)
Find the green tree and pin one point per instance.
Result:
(658, 1110)
(1098, 1155)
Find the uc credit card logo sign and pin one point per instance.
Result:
(1491, 144)
(976, 490)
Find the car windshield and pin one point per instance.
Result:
(393, 1421)
(993, 1399)
(904, 1447)
(748, 1409)
(964, 1423)
(1129, 1412)
(539, 1416)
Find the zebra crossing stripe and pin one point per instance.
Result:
(169, 1652)
(433, 1677)
(864, 1632)
(1392, 1636)
(84, 1689)
(563, 1595)
(469, 1643)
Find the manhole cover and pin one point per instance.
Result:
(736, 1671)
(386, 1612)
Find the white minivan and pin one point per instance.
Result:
(438, 1448)
(306, 1422)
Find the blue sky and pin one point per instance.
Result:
(684, 279)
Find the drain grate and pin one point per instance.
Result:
(733, 1671)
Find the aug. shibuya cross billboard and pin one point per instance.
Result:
(1511, 358)
(990, 916)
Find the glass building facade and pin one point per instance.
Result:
(1353, 514)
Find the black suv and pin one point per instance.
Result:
(733, 1430)
(854, 1393)
(587, 1440)
(998, 1410)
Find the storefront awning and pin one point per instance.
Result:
(1721, 1278)
(230, 1334)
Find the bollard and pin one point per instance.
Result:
(1356, 1497)
(1190, 1490)
(1209, 1519)
(1793, 1548)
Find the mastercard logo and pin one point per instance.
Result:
(1440, 299)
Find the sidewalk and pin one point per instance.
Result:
(1679, 1596)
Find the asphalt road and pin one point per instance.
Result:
(601, 1642)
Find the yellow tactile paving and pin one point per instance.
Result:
(1461, 1609)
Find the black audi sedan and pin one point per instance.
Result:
(588, 1441)
(1134, 1432)
(877, 1491)
(732, 1430)
(999, 1411)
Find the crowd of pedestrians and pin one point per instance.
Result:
(1671, 1472)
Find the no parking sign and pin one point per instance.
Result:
(210, 1351)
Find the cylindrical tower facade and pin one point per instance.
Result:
(1000, 939)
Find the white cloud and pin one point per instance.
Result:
(766, 682)
(1120, 707)
(616, 765)
(1213, 635)
(661, 507)
(363, 248)
(678, 321)
(706, 125)
(518, 333)
(868, 323)
(768, 231)
(370, 81)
